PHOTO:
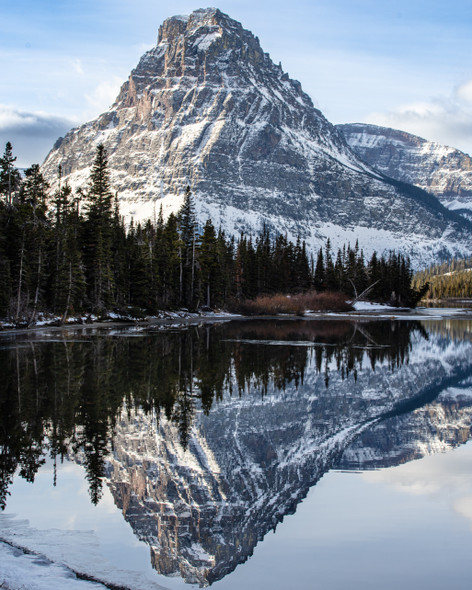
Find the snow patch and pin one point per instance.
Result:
(62, 554)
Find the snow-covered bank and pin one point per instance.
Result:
(22, 570)
(380, 311)
(54, 559)
(369, 306)
(162, 319)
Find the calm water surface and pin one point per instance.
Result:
(309, 454)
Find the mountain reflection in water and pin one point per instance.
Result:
(208, 437)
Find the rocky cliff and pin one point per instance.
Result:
(441, 170)
(208, 108)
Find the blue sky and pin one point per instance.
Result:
(404, 64)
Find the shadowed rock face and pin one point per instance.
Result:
(253, 458)
(207, 107)
(441, 170)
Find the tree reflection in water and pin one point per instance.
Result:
(63, 394)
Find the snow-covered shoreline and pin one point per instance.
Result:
(53, 323)
(362, 310)
(54, 560)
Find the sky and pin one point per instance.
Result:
(404, 64)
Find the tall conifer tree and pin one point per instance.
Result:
(188, 236)
(10, 179)
(99, 233)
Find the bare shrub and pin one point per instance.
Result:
(267, 305)
(325, 302)
(294, 305)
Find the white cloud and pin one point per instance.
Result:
(464, 92)
(447, 119)
(463, 506)
(18, 121)
(32, 134)
(103, 96)
(445, 477)
(77, 65)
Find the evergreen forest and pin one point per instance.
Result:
(448, 280)
(70, 253)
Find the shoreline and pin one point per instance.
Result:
(155, 323)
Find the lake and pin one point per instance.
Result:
(247, 454)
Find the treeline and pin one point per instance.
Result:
(448, 280)
(384, 279)
(70, 253)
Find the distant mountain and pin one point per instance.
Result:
(208, 108)
(441, 170)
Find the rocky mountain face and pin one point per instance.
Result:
(254, 457)
(208, 108)
(441, 170)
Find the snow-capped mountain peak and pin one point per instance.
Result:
(206, 107)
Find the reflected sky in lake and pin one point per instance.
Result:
(346, 440)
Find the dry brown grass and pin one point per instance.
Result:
(325, 302)
(268, 305)
(294, 304)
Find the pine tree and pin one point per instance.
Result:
(33, 196)
(120, 263)
(5, 270)
(188, 237)
(210, 264)
(68, 284)
(330, 274)
(10, 179)
(340, 274)
(302, 276)
(245, 269)
(282, 265)
(319, 280)
(226, 252)
(98, 233)
(26, 230)
(142, 268)
(263, 252)
(169, 263)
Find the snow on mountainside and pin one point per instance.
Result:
(441, 170)
(207, 107)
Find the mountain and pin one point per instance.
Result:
(441, 170)
(208, 108)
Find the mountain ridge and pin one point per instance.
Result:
(206, 107)
(441, 170)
